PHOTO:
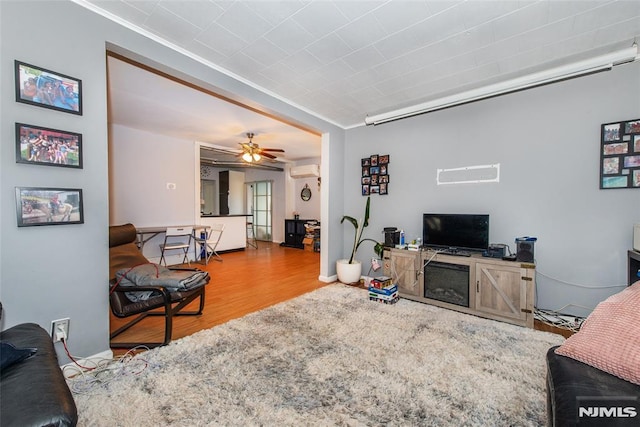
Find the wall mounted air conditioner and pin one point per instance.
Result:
(305, 171)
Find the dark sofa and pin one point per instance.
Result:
(33, 391)
(568, 379)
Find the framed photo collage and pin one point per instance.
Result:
(375, 174)
(620, 155)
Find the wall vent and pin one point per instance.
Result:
(469, 175)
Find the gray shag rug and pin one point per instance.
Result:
(332, 357)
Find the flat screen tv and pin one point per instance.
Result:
(466, 232)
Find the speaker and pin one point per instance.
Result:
(636, 237)
(524, 249)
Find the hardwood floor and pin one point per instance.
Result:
(244, 282)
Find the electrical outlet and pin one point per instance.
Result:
(60, 329)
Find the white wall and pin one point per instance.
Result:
(311, 208)
(141, 165)
(547, 141)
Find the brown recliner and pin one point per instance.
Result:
(124, 254)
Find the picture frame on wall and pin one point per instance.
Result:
(375, 171)
(619, 158)
(48, 147)
(36, 206)
(48, 89)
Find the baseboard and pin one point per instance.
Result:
(329, 279)
(90, 361)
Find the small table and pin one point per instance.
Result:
(144, 234)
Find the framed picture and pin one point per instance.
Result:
(44, 88)
(48, 206)
(49, 147)
(619, 161)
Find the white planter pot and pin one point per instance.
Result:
(348, 273)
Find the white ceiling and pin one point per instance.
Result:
(147, 101)
(343, 60)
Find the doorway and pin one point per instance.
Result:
(259, 203)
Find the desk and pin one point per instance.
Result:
(144, 234)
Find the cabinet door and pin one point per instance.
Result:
(502, 291)
(402, 267)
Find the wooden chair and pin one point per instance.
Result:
(124, 254)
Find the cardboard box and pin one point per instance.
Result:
(307, 241)
(308, 247)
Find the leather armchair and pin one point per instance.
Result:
(124, 253)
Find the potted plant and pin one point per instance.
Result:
(350, 270)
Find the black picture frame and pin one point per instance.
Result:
(37, 145)
(619, 158)
(41, 87)
(38, 206)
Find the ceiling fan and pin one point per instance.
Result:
(251, 152)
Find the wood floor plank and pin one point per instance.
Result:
(244, 282)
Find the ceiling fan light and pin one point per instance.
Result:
(247, 157)
(256, 157)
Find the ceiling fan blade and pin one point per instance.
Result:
(277, 150)
(267, 155)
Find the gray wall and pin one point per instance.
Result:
(547, 142)
(52, 272)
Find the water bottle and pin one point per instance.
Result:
(401, 237)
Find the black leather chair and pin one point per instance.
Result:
(124, 253)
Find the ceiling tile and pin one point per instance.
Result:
(221, 40)
(320, 18)
(243, 22)
(200, 13)
(397, 15)
(243, 65)
(364, 58)
(265, 52)
(274, 11)
(329, 49)
(302, 62)
(146, 7)
(398, 44)
(171, 26)
(438, 27)
(362, 32)
(356, 9)
(127, 11)
(290, 36)
(545, 35)
(522, 20)
(627, 31)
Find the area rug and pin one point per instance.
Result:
(332, 357)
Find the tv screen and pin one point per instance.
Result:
(460, 231)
